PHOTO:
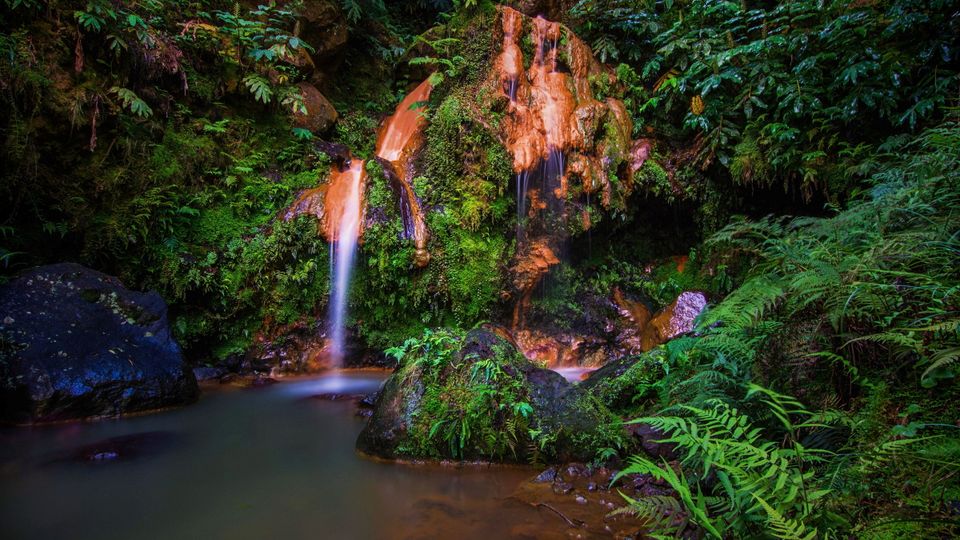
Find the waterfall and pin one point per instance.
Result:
(397, 138)
(344, 232)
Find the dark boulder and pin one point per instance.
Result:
(626, 383)
(75, 343)
(425, 393)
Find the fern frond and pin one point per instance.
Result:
(746, 305)
(941, 360)
(783, 528)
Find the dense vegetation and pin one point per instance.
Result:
(806, 154)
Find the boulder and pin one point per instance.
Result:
(321, 114)
(324, 26)
(676, 319)
(75, 343)
(483, 376)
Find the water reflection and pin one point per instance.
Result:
(261, 463)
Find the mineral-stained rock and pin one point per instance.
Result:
(674, 320)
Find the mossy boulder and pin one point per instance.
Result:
(75, 343)
(624, 385)
(475, 397)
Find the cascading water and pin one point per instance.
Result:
(565, 144)
(344, 198)
(394, 145)
(339, 207)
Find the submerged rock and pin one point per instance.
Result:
(75, 343)
(477, 397)
(123, 448)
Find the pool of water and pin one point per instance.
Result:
(270, 462)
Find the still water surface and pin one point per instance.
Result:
(255, 463)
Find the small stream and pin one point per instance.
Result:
(271, 462)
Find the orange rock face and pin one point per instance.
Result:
(565, 145)
(553, 114)
(400, 136)
(527, 271)
(399, 128)
(328, 202)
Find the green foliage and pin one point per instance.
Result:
(881, 273)
(782, 83)
(133, 102)
(878, 282)
(471, 407)
(448, 64)
(759, 484)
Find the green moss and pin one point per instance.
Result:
(654, 178)
(358, 131)
(471, 407)
(631, 392)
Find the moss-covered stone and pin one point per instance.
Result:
(625, 385)
(474, 396)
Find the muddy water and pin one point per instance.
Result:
(258, 463)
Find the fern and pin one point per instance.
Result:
(783, 528)
(941, 360)
(259, 87)
(132, 102)
(746, 305)
(720, 440)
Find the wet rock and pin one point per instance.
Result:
(302, 347)
(80, 344)
(557, 405)
(580, 499)
(208, 373)
(262, 382)
(650, 438)
(320, 114)
(368, 401)
(574, 470)
(562, 488)
(674, 320)
(547, 476)
(229, 378)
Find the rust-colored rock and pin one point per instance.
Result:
(320, 116)
(553, 109)
(528, 270)
(329, 201)
(400, 136)
(640, 152)
(674, 320)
